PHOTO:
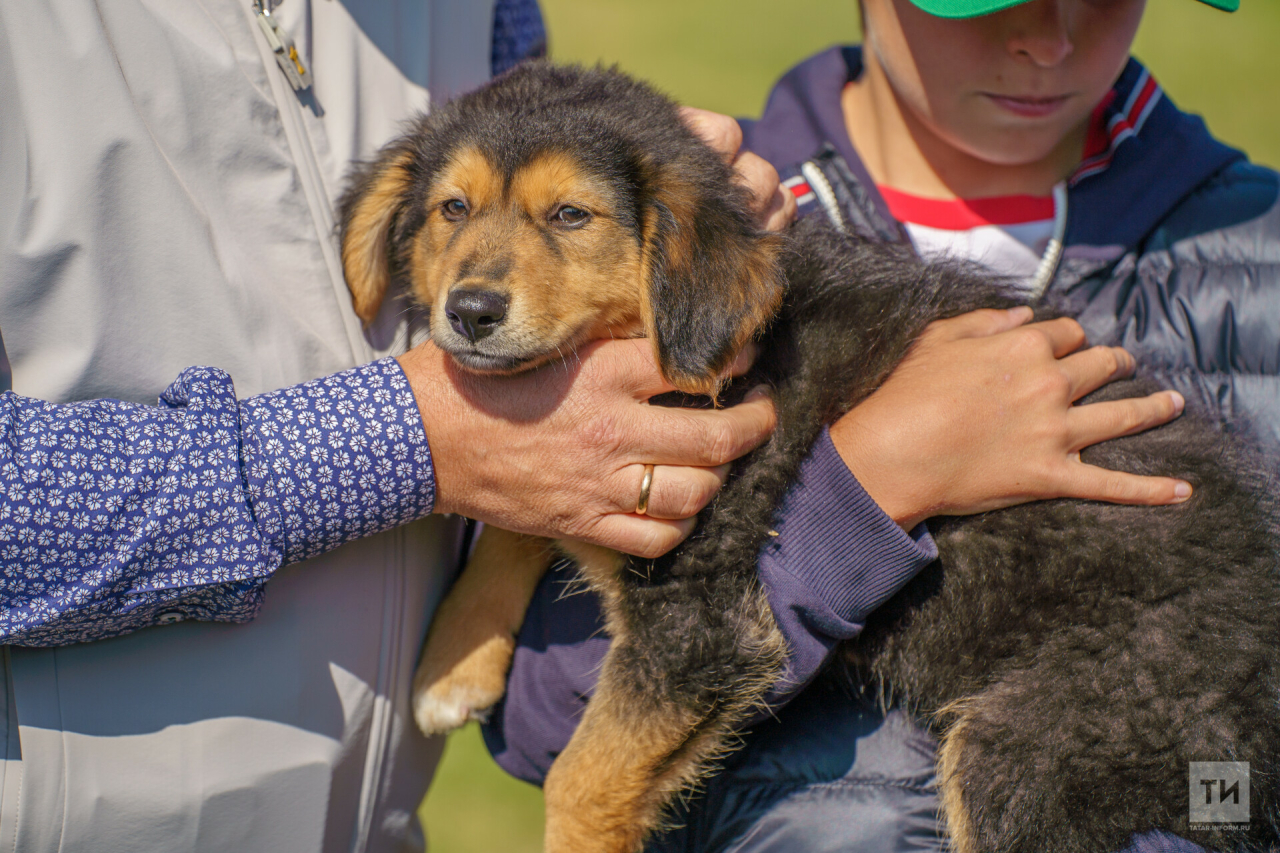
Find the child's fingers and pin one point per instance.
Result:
(720, 132)
(1064, 335)
(781, 212)
(1098, 422)
(1090, 482)
(758, 176)
(1089, 370)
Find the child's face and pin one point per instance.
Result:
(1007, 88)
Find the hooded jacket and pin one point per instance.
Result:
(1171, 250)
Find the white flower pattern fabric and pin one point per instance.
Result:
(115, 516)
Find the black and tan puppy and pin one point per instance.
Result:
(1073, 657)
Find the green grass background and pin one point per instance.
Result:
(724, 55)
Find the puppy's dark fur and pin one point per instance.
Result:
(1073, 657)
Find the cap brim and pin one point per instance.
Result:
(964, 8)
(975, 8)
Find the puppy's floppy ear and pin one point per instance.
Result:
(712, 279)
(370, 212)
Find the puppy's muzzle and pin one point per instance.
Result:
(475, 314)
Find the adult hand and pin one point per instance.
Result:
(774, 205)
(560, 451)
(980, 415)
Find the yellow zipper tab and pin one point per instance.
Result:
(282, 46)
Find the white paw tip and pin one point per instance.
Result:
(438, 715)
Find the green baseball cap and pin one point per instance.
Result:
(974, 8)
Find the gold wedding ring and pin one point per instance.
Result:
(642, 505)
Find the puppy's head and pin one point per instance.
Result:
(558, 205)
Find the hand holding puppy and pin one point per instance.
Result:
(981, 415)
(560, 451)
(773, 203)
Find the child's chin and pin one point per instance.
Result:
(1019, 142)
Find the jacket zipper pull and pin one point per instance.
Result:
(283, 47)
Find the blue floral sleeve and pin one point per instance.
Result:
(116, 516)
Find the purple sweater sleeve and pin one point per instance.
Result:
(836, 558)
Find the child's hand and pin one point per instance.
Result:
(774, 205)
(980, 415)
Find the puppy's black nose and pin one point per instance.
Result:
(474, 314)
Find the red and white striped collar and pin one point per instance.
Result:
(800, 188)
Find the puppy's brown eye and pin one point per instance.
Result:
(569, 216)
(454, 209)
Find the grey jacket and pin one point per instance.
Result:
(166, 200)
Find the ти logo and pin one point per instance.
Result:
(1219, 794)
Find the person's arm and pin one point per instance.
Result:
(117, 516)
(979, 416)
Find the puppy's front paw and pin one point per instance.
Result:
(444, 700)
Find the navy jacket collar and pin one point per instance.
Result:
(1157, 154)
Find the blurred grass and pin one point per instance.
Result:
(724, 55)
(473, 807)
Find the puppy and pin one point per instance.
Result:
(1072, 657)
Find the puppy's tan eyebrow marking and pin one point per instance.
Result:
(471, 176)
(554, 178)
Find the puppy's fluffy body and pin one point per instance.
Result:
(1073, 657)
